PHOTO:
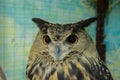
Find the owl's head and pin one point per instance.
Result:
(59, 40)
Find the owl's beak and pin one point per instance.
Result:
(57, 51)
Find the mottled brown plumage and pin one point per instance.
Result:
(64, 52)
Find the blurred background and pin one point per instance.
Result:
(17, 31)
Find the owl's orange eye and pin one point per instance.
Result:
(46, 39)
(72, 39)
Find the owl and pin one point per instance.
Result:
(65, 52)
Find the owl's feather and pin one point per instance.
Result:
(75, 66)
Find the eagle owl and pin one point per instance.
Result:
(65, 52)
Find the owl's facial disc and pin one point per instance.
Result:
(58, 48)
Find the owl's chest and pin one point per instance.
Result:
(67, 71)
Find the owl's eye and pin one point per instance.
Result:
(46, 39)
(72, 39)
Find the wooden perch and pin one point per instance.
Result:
(2, 74)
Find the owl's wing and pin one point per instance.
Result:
(95, 67)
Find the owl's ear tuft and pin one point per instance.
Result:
(42, 24)
(39, 21)
(85, 23)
